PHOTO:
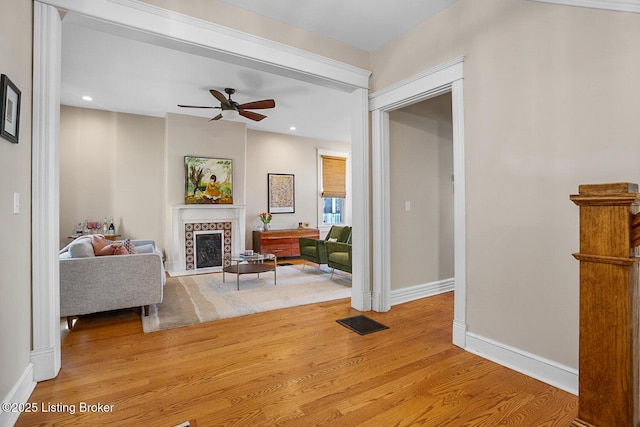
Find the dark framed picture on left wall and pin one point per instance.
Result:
(9, 110)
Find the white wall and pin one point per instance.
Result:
(421, 168)
(111, 165)
(132, 167)
(15, 177)
(279, 153)
(551, 102)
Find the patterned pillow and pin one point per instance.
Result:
(129, 246)
(112, 249)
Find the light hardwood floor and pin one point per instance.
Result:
(293, 367)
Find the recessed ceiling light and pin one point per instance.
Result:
(87, 98)
(292, 128)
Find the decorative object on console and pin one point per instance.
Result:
(9, 110)
(266, 218)
(208, 181)
(281, 192)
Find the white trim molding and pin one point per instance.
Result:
(444, 78)
(360, 201)
(19, 394)
(45, 178)
(141, 21)
(631, 6)
(537, 367)
(412, 293)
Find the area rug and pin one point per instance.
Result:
(190, 300)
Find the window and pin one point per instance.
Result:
(333, 189)
(332, 210)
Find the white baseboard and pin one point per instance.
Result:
(19, 394)
(545, 370)
(459, 337)
(400, 296)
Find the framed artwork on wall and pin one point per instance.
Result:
(9, 110)
(208, 180)
(281, 193)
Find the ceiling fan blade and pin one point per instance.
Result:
(220, 97)
(194, 106)
(218, 117)
(251, 115)
(258, 105)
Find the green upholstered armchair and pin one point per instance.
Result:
(339, 256)
(314, 250)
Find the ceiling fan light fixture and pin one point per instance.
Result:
(230, 114)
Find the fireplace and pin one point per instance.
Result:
(207, 245)
(208, 250)
(202, 236)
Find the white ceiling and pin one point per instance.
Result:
(364, 24)
(135, 77)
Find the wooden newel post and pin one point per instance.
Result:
(609, 387)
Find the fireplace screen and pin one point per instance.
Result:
(206, 244)
(208, 250)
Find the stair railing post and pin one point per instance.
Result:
(609, 386)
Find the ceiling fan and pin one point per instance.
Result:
(231, 109)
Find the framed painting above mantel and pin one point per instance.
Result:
(208, 180)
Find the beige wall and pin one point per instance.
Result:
(550, 102)
(279, 153)
(421, 167)
(195, 136)
(111, 165)
(132, 167)
(15, 175)
(248, 22)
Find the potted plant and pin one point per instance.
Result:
(265, 217)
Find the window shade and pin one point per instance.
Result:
(334, 171)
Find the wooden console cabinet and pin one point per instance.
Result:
(282, 243)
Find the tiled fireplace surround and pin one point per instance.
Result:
(188, 219)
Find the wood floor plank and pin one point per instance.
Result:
(293, 367)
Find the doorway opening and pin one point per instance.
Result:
(445, 78)
(421, 199)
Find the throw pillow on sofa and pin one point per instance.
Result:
(81, 248)
(102, 247)
(129, 246)
(112, 249)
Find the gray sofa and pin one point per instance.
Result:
(91, 284)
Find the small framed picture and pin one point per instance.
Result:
(9, 110)
(281, 193)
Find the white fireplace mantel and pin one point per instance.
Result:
(185, 214)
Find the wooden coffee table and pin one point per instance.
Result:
(251, 264)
